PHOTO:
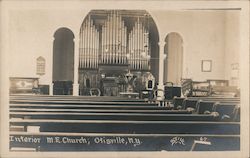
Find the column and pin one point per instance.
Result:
(51, 84)
(76, 65)
(160, 86)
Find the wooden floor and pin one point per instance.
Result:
(84, 123)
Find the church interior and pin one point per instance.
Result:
(113, 46)
(125, 80)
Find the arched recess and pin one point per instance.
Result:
(173, 63)
(107, 47)
(63, 61)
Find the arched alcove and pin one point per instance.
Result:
(173, 63)
(115, 42)
(63, 61)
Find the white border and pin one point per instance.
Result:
(148, 5)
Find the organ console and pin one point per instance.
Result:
(113, 42)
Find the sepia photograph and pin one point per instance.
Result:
(124, 78)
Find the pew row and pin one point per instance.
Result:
(179, 102)
(61, 106)
(227, 110)
(114, 116)
(74, 98)
(140, 127)
(157, 111)
(82, 102)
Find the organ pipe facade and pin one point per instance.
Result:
(89, 45)
(138, 47)
(111, 45)
(114, 40)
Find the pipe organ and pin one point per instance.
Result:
(111, 45)
(138, 47)
(114, 40)
(89, 45)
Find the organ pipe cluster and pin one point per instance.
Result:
(109, 44)
(89, 45)
(114, 40)
(138, 47)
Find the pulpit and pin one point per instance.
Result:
(109, 86)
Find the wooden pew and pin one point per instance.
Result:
(142, 127)
(178, 102)
(205, 106)
(113, 116)
(156, 111)
(217, 99)
(92, 108)
(190, 104)
(74, 98)
(82, 102)
(226, 110)
(68, 106)
(49, 141)
(236, 114)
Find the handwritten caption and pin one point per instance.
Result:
(78, 140)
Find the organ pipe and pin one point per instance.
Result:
(89, 45)
(112, 45)
(115, 41)
(84, 46)
(138, 47)
(80, 46)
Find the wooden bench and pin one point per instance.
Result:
(157, 111)
(178, 102)
(142, 127)
(85, 106)
(205, 106)
(81, 102)
(145, 126)
(190, 103)
(226, 110)
(61, 106)
(74, 98)
(113, 116)
(216, 99)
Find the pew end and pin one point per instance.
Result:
(33, 129)
(17, 128)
